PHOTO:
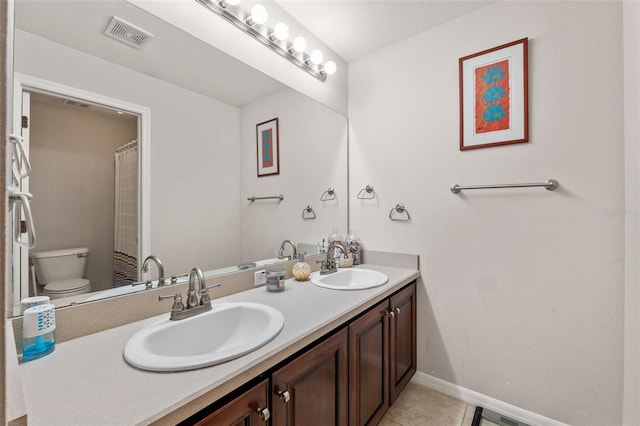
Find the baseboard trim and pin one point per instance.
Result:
(474, 398)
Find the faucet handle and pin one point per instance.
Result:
(174, 278)
(204, 293)
(177, 301)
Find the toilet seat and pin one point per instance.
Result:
(63, 288)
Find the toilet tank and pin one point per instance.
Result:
(55, 265)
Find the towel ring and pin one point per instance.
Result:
(367, 190)
(399, 208)
(330, 195)
(308, 213)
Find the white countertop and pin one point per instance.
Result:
(86, 381)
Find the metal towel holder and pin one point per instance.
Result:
(274, 197)
(328, 195)
(550, 185)
(308, 213)
(400, 209)
(369, 193)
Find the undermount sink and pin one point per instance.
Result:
(228, 331)
(350, 279)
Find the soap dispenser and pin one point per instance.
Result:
(301, 270)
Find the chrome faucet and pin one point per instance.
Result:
(193, 306)
(281, 251)
(158, 262)
(329, 266)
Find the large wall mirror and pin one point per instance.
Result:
(199, 142)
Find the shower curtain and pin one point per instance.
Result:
(125, 261)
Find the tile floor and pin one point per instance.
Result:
(420, 406)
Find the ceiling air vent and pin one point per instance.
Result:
(127, 33)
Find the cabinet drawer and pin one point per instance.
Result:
(248, 409)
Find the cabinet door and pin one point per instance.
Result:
(369, 366)
(403, 340)
(313, 388)
(248, 409)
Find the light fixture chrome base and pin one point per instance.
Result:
(216, 7)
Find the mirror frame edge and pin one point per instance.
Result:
(6, 69)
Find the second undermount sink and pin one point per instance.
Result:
(350, 279)
(228, 331)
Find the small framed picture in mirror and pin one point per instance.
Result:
(268, 148)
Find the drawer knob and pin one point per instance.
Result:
(284, 396)
(264, 414)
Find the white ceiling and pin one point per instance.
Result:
(352, 28)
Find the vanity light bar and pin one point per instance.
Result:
(222, 8)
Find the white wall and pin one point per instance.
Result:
(631, 25)
(194, 152)
(313, 157)
(521, 296)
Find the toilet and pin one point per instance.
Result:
(61, 272)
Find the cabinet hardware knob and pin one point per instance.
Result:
(397, 309)
(391, 314)
(284, 396)
(264, 414)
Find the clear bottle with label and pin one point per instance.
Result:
(275, 280)
(334, 237)
(301, 270)
(352, 245)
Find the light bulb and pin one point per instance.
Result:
(299, 44)
(316, 57)
(281, 31)
(259, 14)
(330, 67)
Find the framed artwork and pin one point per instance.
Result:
(268, 147)
(494, 96)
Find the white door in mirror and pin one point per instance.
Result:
(350, 279)
(228, 331)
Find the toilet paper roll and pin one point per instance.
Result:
(30, 302)
(39, 320)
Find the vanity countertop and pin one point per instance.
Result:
(87, 381)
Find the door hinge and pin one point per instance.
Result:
(25, 122)
(23, 226)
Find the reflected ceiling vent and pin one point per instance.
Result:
(127, 33)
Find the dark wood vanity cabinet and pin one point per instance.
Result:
(402, 339)
(312, 389)
(248, 409)
(382, 356)
(369, 366)
(349, 378)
